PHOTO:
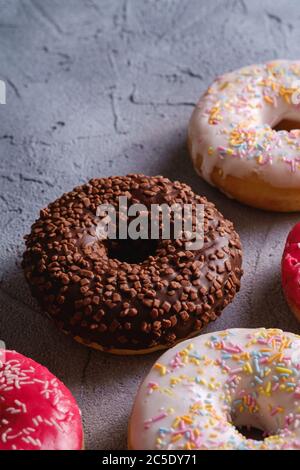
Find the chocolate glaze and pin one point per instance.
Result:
(120, 305)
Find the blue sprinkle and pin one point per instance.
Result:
(226, 356)
(214, 338)
(164, 431)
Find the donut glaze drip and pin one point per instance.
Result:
(200, 392)
(37, 412)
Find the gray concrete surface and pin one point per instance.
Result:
(105, 87)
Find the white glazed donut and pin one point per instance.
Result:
(232, 140)
(200, 390)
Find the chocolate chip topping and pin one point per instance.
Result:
(166, 296)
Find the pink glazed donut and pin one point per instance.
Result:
(290, 270)
(37, 412)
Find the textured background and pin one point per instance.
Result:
(105, 87)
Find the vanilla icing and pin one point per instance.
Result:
(231, 128)
(199, 392)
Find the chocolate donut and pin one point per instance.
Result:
(129, 296)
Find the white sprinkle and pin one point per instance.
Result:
(22, 405)
(57, 425)
(56, 400)
(46, 421)
(14, 436)
(28, 430)
(46, 393)
(4, 435)
(13, 411)
(35, 442)
(39, 381)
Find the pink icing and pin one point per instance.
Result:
(37, 412)
(290, 267)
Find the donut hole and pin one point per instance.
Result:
(287, 125)
(251, 432)
(131, 251)
(249, 425)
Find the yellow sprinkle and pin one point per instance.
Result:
(245, 356)
(268, 387)
(210, 150)
(275, 357)
(168, 391)
(208, 362)
(176, 422)
(223, 333)
(187, 419)
(189, 445)
(195, 407)
(183, 353)
(224, 85)
(248, 368)
(236, 357)
(268, 99)
(274, 86)
(284, 370)
(175, 380)
(161, 368)
(194, 360)
(176, 437)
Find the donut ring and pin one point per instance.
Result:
(232, 140)
(122, 307)
(200, 392)
(290, 270)
(37, 412)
